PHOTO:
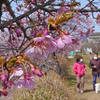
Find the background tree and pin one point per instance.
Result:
(93, 44)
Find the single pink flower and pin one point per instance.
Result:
(33, 71)
(38, 40)
(36, 51)
(67, 39)
(61, 41)
(18, 32)
(3, 77)
(49, 43)
(25, 81)
(27, 76)
(98, 19)
(17, 72)
(38, 72)
(27, 84)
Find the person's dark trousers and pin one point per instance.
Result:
(94, 80)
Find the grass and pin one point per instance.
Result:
(46, 88)
(71, 80)
(86, 63)
(81, 53)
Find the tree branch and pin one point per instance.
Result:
(0, 10)
(25, 14)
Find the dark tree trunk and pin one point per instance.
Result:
(0, 10)
(60, 72)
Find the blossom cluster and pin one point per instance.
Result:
(25, 74)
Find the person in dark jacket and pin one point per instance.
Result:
(95, 65)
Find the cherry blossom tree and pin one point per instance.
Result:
(36, 29)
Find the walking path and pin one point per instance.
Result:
(88, 94)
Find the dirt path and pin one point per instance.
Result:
(88, 94)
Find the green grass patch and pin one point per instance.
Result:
(81, 53)
(86, 63)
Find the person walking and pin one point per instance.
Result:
(79, 68)
(95, 65)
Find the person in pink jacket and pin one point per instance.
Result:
(79, 68)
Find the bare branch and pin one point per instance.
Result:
(0, 10)
(25, 14)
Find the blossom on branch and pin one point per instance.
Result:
(64, 39)
(41, 47)
(25, 81)
(98, 19)
(18, 32)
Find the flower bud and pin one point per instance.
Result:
(33, 70)
(11, 31)
(3, 77)
(27, 76)
(39, 73)
(4, 92)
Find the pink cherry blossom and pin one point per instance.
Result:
(18, 32)
(25, 81)
(98, 19)
(27, 75)
(38, 72)
(33, 71)
(9, 83)
(49, 43)
(61, 41)
(17, 72)
(39, 40)
(44, 44)
(36, 51)
(3, 77)
(67, 39)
